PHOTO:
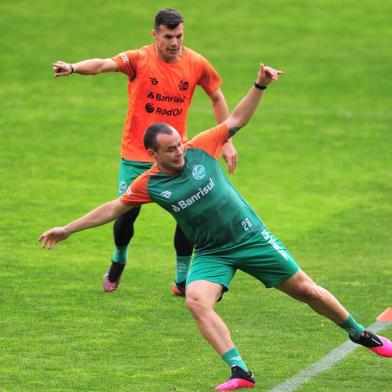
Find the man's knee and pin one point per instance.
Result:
(197, 302)
(302, 287)
(307, 291)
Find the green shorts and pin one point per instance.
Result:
(129, 171)
(262, 256)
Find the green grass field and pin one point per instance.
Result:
(315, 163)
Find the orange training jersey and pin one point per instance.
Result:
(160, 92)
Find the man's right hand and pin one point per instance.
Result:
(60, 68)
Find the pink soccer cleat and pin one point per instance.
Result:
(109, 286)
(235, 383)
(378, 344)
(239, 379)
(385, 350)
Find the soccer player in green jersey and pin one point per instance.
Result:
(188, 182)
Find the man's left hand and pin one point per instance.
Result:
(267, 75)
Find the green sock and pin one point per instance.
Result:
(352, 327)
(120, 254)
(182, 265)
(233, 358)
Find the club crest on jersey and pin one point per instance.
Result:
(198, 172)
(154, 81)
(166, 194)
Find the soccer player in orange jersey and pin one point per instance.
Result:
(162, 78)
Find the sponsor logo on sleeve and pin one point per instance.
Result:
(124, 57)
(166, 194)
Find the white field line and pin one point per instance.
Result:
(325, 363)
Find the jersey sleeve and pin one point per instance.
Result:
(212, 140)
(137, 193)
(209, 78)
(127, 62)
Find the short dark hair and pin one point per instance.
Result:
(151, 135)
(168, 17)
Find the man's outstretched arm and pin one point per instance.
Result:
(85, 67)
(221, 111)
(243, 112)
(105, 213)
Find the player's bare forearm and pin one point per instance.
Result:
(221, 111)
(219, 104)
(85, 67)
(95, 66)
(243, 112)
(99, 216)
(105, 213)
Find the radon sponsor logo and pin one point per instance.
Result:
(165, 112)
(149, 108)
(272, 241)
(170, 112)
(183, 204)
